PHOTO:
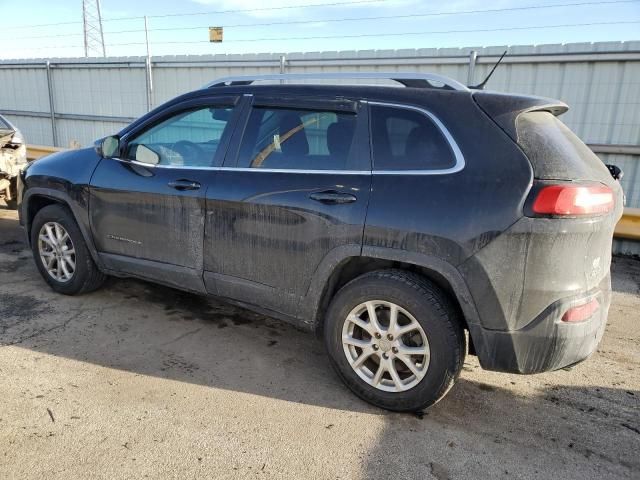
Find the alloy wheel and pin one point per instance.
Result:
(386, 346)
(57, 252)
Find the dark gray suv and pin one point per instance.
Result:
(405, 225)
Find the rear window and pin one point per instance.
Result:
(555, 151)
(404, 139)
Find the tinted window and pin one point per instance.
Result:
(554, 150)
(188, 138)
(405, 139)
(297, 139)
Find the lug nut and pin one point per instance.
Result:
(385, 356)
(389, 336)
(378, 335)
(394, 349)
(375, 347)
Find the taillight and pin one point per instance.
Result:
(574, 200)
(581, 312)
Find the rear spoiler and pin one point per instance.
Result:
(504, 109)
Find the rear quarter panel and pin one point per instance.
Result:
(452, 216)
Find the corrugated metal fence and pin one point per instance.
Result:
(66, 101)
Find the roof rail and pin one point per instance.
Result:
(417, 80)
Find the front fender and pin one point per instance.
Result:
(78, 210)
(63, 177)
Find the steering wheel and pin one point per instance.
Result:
(189, 151)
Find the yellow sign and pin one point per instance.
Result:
(215, 34)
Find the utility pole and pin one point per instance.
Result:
(93, 35)
(147, 62)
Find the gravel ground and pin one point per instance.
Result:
(137, 381)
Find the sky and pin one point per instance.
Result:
(43, 28)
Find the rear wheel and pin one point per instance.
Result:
(61, 254)
(395, 339)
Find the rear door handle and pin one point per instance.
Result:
(184, 185)
(331, 197)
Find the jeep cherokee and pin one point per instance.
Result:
(406, 225)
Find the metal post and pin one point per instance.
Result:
(283, 65)
(149, 75)
(473, 56)
(52, 112)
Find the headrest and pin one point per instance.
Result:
(340, 137)
(296, 143)
(426, 147)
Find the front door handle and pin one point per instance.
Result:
(184, 185)
(331, 197)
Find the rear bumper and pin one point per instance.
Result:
(547, 343)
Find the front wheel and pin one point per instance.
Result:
(61, 254)
(395, 339)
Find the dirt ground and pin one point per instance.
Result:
(141, 381)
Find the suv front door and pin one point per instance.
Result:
(293, 192)
(148, 205)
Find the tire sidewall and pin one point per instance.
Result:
(430, 312)
(59, 214)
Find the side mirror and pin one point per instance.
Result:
(108, 147)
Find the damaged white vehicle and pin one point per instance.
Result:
(13, 157)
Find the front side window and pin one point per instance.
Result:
(189, 138)
(404, 139)
(278, 138)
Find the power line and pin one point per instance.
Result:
(261, 9)
(244, 10)
(386, 17)
(389, 17)
(440, 31)
(430, 32)
(48, 47)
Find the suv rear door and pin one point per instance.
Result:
(294, 190)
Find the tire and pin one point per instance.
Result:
(417, 300)
(86, 276)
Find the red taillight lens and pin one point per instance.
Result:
(581, 312)
(574, 200)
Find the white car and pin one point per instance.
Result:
(13, 157)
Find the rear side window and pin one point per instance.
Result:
(404, 139)
(278, 138)
(555, 151)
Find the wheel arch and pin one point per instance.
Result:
(339, 273)
(35, 199)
